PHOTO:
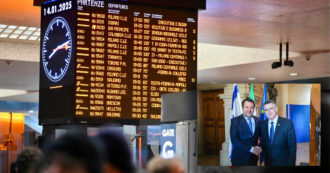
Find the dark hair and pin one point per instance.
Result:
(27, 159)
(117, 152)
(73, 150)
(269, 101)
(248, 100)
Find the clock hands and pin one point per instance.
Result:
(65, 46)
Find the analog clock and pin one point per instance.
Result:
(56, 49)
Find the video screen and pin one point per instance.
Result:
(111, 60)
(260, 125)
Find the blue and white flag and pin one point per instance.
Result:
(236, 110)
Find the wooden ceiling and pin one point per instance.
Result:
(264, 23)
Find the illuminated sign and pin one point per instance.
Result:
(168, 140)
(124, 57)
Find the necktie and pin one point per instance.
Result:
(271, 133)
(250, 125)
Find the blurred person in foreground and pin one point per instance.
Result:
(160, 165)
(278, 140)
(27, 160)
(116, 151)
(71, 153)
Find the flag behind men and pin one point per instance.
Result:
(236, 110)
(264, 99)
(263, 116)
(252, 97)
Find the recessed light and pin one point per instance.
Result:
(22, 27)
(33, 38)
(3, 35)
(252, 78)
(13, 36)
(32, 28)
(12, 26)
(293, 74)
(23, 37)
(36, 33)
(8, 31)
(18, 32)
(213, 82)
(3, 26)
(27, 33)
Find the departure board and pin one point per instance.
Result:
(116, 58)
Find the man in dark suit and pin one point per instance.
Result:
(244, 133)
(278, 140)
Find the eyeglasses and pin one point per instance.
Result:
(269, 109)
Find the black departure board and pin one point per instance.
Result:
(113, 59)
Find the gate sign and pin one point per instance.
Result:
(167, 140)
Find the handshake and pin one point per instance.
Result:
(257, 150)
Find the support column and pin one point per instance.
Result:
(244, 91)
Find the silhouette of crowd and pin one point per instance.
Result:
(76, 152)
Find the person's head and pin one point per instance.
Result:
(27, 159)
(160, 165)
(270, 109)
(72, 152)
(248, 107)
(117, 155)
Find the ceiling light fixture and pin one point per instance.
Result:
(33, 38)
(37, 33)
(22, 28)
(8, 31)
(12, 27)
(27, 33)
(287, 62)
(252, 78)
(3, 35)
(19, 32)
(23, 37)
(32, 28)
(278, 64)
(13, 36)
(293, 74)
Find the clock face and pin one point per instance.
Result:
(56, 49)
